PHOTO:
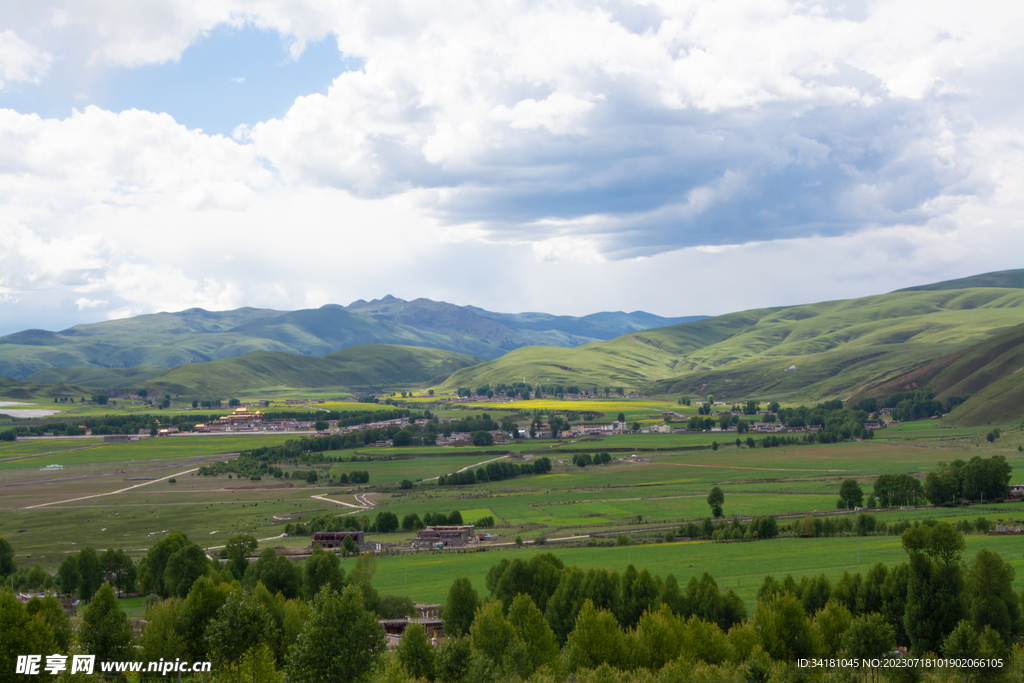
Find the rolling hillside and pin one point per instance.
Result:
(1012, 279)
(359, 367)
(98, 378)
(197, 336)
(827, 350)
(991, 373)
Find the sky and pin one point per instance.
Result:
(682, 158)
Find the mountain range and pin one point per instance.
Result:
(957, 337)
(167, 340)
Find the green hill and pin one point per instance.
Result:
(811, 352)
(991, 373)
(357, 367)
(99, 378)
(17, 390)
(1012, 279)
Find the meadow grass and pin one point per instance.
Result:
(740, 566)
(150, 449)
(12, 449)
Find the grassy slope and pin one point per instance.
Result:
(101, 378)
(839, 347)
(991, 372)
(1003, 278)
(12, 389)
(357, 366)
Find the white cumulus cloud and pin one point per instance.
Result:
(20, 61)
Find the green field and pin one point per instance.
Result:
(17, 449)
(144, 449)
(740, 566)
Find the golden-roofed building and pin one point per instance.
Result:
(239, 416)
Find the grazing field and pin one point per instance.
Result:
(17, 449)
(144, 449)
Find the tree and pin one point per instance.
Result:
(491, 633)
(565, 603)
(276, 572)
(321, 569)
(868, 637)
(992, 600)
(850, 494)
(151, 571)
(830, 625)
(105, 631)
(362, 577)
(936, 587)
(183, 568)
(869, 596)
(595, 640)
(941, 487)
(243, 622)
(238, 549)
(894, 600)
(67, 574)
(412, 522)
(783, 630)
(117, 567)
(89, 573)
(257, 665)
(707, 528)
(715, 499)
(7, 563)
(639, 594)
(460, 607)
(21, 634)
(529, 624)
(386, 522)
(162, 636)
(51, 611)
(416, 653)
(197, 612)
(453, 660)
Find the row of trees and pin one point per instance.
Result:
(911, 405)
(585, 459)
(975, 480)
(495, 471)
(759, 528)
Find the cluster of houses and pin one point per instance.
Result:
(443, 536)
(501, 398)
(881, 425)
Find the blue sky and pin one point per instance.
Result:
(568, 158)
(229, 77)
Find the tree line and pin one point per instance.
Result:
(495, 471)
